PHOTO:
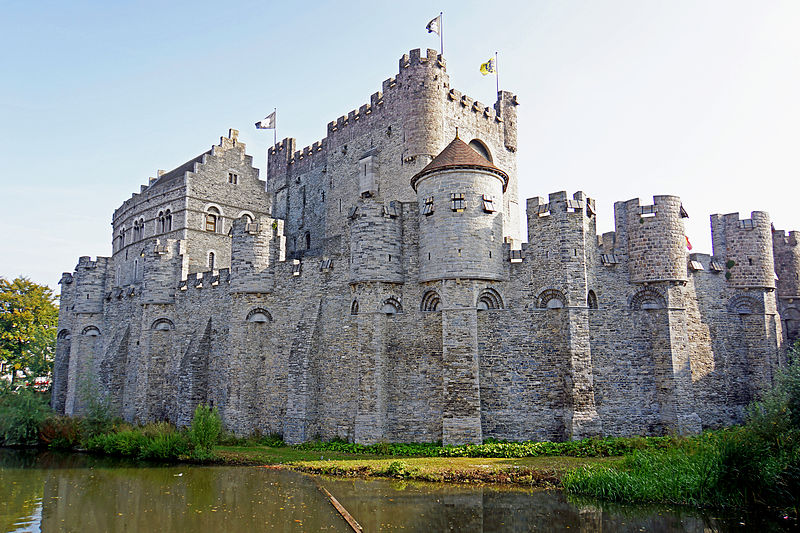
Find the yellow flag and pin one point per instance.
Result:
(488, 67)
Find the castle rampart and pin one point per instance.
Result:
(373, 289)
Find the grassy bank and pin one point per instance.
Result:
(751, 466)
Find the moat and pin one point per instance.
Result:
(75, 492)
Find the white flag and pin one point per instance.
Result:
(268, 123)
(434, 26)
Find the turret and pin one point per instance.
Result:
(256, 247)
(90, 284)
(506, 108)
(656, 240)
(162, 271)
(558, 232)
(376, 242)
(745, 247)
(786, 253)
(461, 225)
(422, 80)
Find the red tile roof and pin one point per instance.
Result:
(459, 155)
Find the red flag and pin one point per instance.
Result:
(688, 244)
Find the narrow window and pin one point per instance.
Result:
(168, 221)
(233, 178)
(308, 240)
(160, 227)
(457, 201)
(211, 260)
(427, 209)
(212, 219)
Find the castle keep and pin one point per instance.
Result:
(375, 287)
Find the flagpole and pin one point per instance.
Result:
(441, 34)
(275, 129)
(497, 74)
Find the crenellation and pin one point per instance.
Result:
(376, 288)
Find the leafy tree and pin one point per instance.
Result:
(28, 323)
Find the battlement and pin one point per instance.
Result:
(786, 253)
(781, 238)
(745, 244)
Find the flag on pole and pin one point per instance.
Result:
(435, 25)
(688, 244)
(267, 123)
(489, 67)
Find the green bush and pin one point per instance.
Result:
(22, 412)
(60, 432)
(204, 432)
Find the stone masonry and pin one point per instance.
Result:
(375, 288)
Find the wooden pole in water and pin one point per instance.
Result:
(342, 511)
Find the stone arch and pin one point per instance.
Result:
(480, 147)
(647, 298)
(744, 305)
(791, 321)
(391, 306)
(354, 307)
(64, 334)
(551, 299)
(431, 301)
(591, 300)
(162, 324)
(259, 315)
(250, 217)
(91, 331)
(489, 299)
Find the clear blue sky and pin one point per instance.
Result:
(620, 99)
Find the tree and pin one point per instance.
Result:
(28, 323)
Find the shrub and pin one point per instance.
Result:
(21, 414)
(204, 431)
(60, 432)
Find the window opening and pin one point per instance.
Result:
(457, 202)
(427, 209)
(488, 203)
(211, 258)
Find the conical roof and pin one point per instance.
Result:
(459, 155)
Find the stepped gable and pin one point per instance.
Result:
(459, 155)
(181, 170)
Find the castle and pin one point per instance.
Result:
(375, 287)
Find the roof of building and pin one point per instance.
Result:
(178, 172)
(459, 155)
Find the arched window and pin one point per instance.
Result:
(591, 300)
(211, 259)
(247, 218)
(354, 307)
(552, 299)
(90, 331)
(489, 299)
(481, 148)
(212, 219)
(430, 301)
(64, 334)
(168, 220)
(122, 237)
(259, 316)
(162, 324)
(391, 306)
(308, 240)
(648, 298)
(160, 222)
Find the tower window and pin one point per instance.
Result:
(211, 259)
(488, 203)
(168, 220)
(308, 240)
(457, 201)
(212, 219)
(427, 209)
(233, 178)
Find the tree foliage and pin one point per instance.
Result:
(28, 323)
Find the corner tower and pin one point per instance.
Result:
(460, 248)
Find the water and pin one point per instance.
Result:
(72, 492)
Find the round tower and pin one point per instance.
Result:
(422, 81)
(376, 242)
(746, 248)
(656, 240)
(461, 222)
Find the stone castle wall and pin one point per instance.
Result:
(356, 332)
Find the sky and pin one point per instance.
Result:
(620, 99)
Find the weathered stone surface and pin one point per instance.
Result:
(341, 302)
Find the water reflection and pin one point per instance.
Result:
(54, 492)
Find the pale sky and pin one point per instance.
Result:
(620, 99)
